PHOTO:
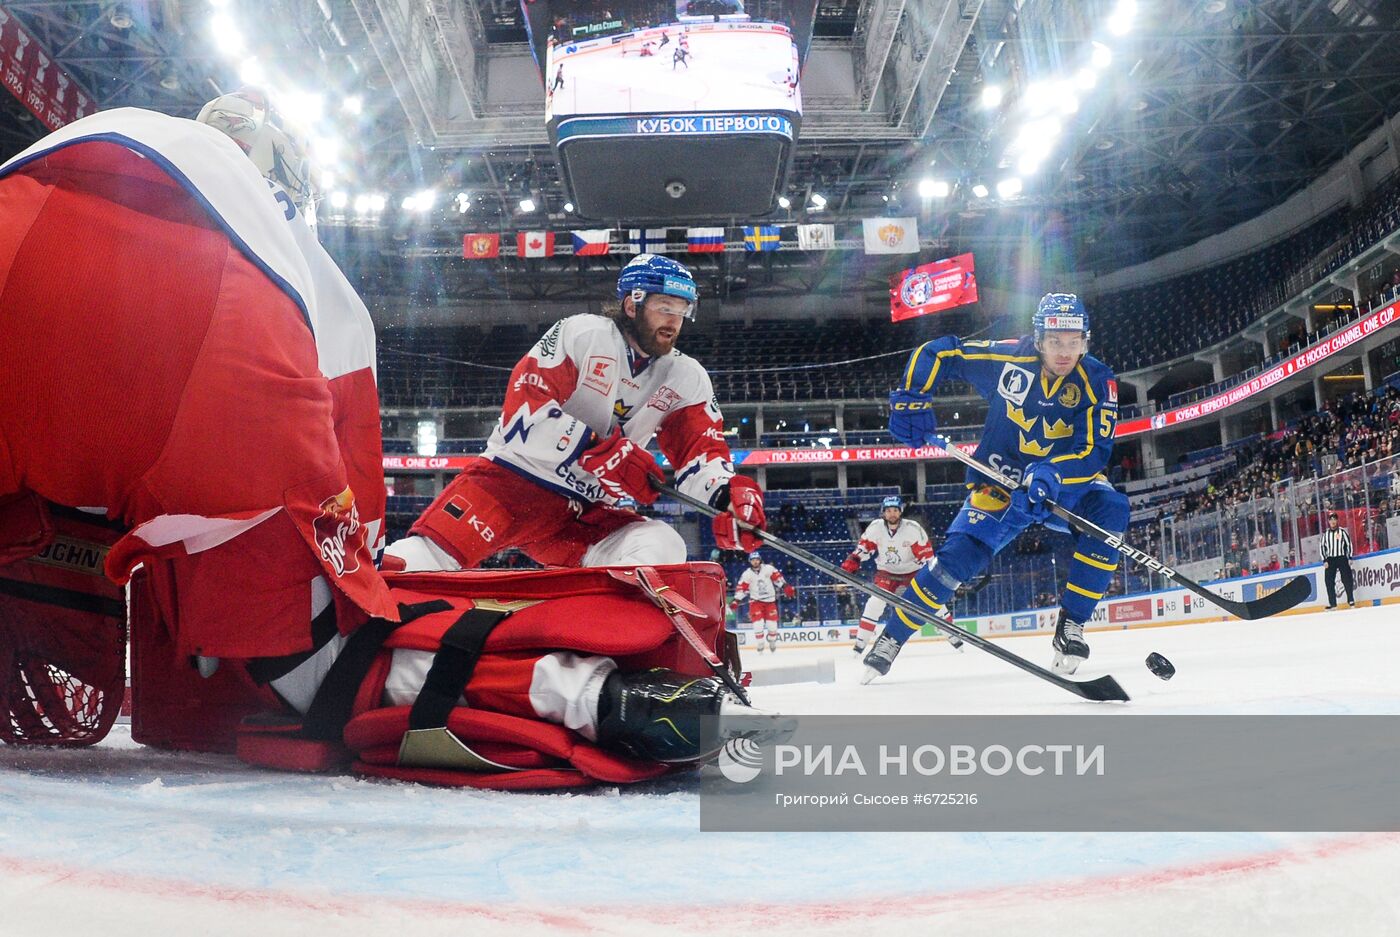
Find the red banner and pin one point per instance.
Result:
(481, 246)
(1329, 346)
(933, 287)
(31, 75)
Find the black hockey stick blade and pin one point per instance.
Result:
(1294, 592)
(1099, 690)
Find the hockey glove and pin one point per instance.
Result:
(789, 591)
(742, 500)
(1042, 483)
(851, 563)
(622, 467)
(911, 419)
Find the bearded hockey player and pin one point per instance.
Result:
(1053, 408)
(571, 444)
(760, 584)
(182, 356)
(899, 547)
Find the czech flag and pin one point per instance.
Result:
(591, 243)
(705, 240)
(761, 237)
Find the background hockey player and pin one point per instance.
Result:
(759, 584)
(571, 444)
(899, 547)
(182, 353)
(1052, 412)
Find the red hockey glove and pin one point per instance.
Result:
(622, 467)
(741, 500)
(733, 605)
(789, 591)
(851, 563)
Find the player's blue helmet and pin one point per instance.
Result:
(1060, 312)
(893, 501)
(650, 273)
(755, 555)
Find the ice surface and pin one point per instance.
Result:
(124, 840)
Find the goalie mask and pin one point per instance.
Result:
(246, 119)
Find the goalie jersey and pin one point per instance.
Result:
(582, 379)
(1030, 417)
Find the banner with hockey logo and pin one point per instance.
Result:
(36, 80)
(481, 246)
(891, 235)
(933, 287)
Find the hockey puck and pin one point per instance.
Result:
(1160, 666)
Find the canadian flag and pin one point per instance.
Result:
(534, 244)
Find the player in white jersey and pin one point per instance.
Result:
(760, 584)
(571, 444)
(899, 546)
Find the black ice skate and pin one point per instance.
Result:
(955, 642)
(880, 658)
(1071, 650)
(662, 715)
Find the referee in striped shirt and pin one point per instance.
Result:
(1336, 551)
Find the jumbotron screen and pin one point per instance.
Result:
(670, 56)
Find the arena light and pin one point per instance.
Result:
(325, 149)
(818, 201)
(1102, 56)
(339, 199)
(979, 190)
(1121, 20)
(426, 438)
(1086, 78)
(328, 180)
(463, 201)
(378, 201)
(409, 203)
(568, 208)
(226, 34)
(251, 72)
(992, 96)
(527, 205)
(302, 108)
(425, 200)
(784, 202)
(1009, 187)
(933, 188)
(362, 204)
(352, 104)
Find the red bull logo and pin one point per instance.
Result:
(338, 533)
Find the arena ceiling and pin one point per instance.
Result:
(1207, 113)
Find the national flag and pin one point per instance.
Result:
(705, 240)
(761, 237)
(481, 246)
(646, 240)
(534, 244)
(816, 237)
(933, 287)
(591, 243)
(891, 235)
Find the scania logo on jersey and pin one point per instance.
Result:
(664, 399)
(598, 373)
(1015, 383)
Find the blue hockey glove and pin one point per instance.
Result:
(1042, 483)
(911, 419)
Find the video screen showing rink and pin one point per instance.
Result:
(678, 67)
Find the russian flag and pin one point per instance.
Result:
(591, 243)
(705, 240)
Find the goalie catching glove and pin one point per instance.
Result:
(623, 468)
(741, 500)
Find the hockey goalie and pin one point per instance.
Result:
(189, 397)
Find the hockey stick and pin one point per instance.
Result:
(1281, 600)
(1101, 689)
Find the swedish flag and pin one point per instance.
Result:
(761, 237)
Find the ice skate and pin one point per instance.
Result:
(661, 715)
(880, 658)
(1071, 650)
